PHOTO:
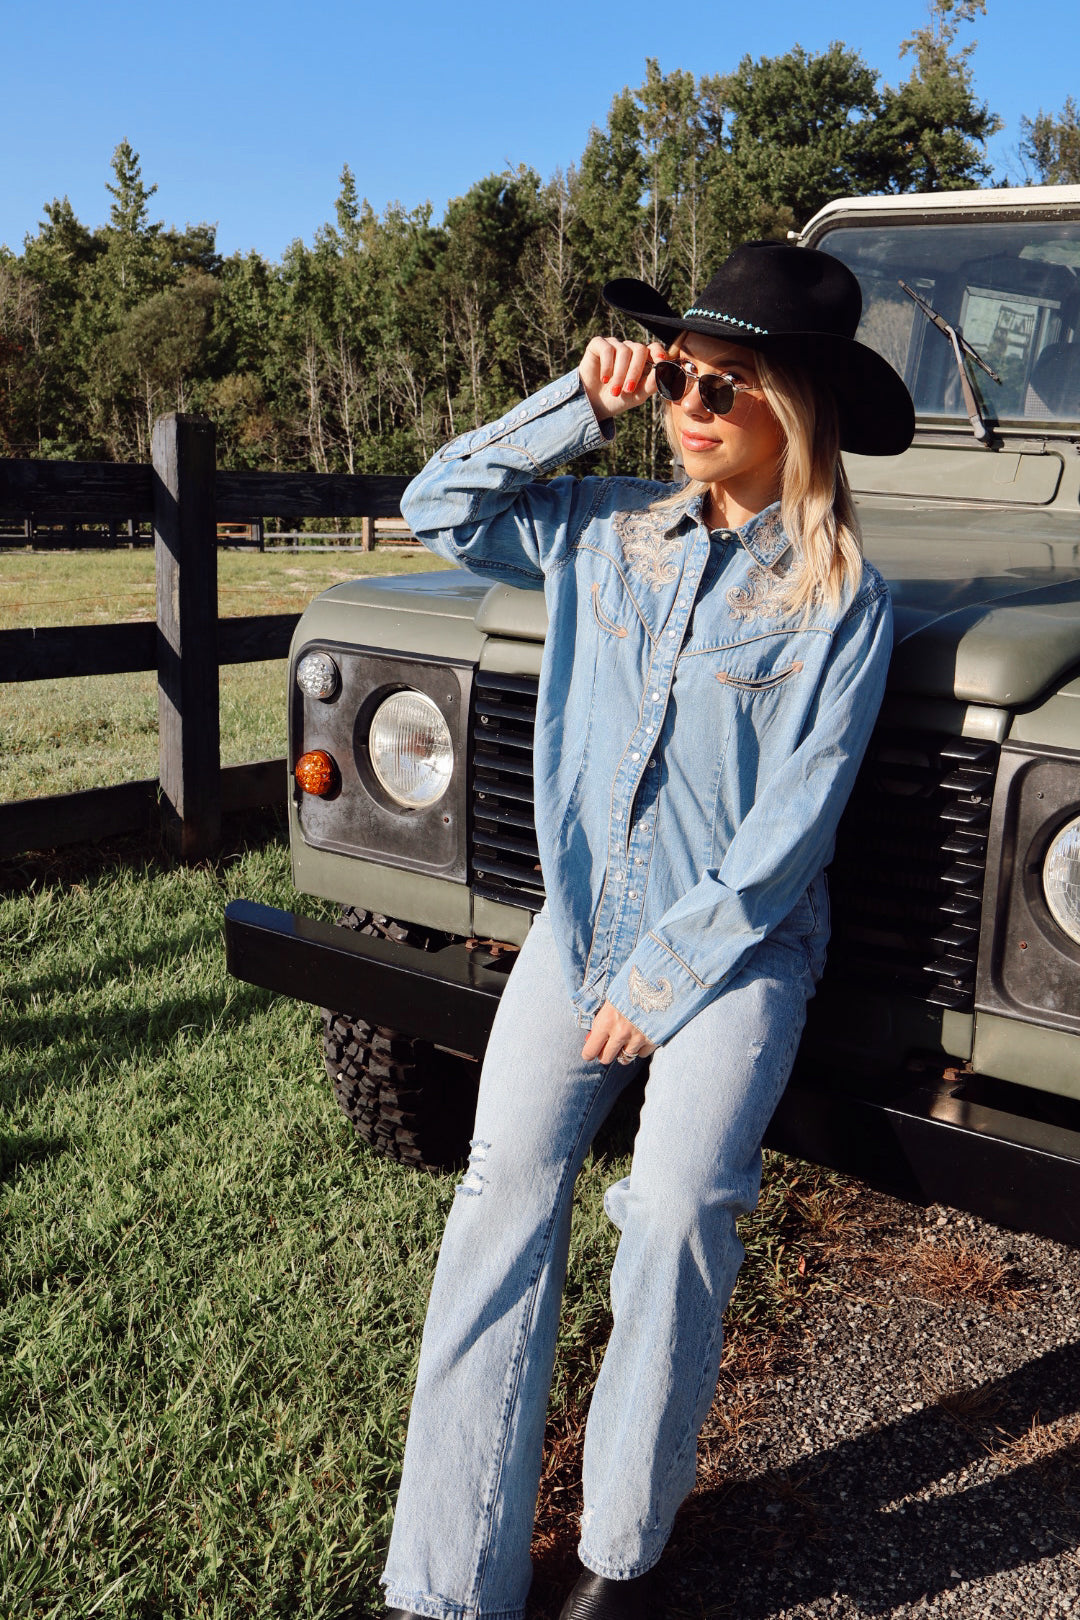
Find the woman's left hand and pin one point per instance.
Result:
(613, 1036)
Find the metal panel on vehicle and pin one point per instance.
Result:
(1008, 478)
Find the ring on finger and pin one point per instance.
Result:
(626, 1057)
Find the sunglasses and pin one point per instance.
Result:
(716, 390)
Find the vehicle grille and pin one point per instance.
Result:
(906, 882)
(503, 855)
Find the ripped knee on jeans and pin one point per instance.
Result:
(473, 1182)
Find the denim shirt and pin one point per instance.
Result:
(694, 748)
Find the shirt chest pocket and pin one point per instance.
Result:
(760, 665)
(758, 683)
(607, 616)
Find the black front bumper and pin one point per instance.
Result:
(447, 996)
(1004, 1152)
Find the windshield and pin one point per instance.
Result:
(1013, 289)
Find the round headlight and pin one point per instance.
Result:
(1061, 879)
(411, 749)
(317, 675)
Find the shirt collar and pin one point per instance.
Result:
(762, 535)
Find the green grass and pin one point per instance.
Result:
(211, 1294)
(60, 736)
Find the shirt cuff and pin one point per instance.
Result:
(657, 991)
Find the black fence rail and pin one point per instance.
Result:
(185, 498)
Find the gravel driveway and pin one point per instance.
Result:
(911, 1449)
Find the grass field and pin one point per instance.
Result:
(59, 736)
(210, 1294)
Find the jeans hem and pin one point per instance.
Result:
(435, 1608)
(618, 1572)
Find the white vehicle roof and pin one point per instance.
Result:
(1046, 199)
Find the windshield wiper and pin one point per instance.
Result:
(960, 348)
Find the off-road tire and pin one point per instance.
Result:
(408, 1099)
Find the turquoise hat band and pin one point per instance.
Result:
(728, 320)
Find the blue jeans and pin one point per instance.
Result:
(464, 1519)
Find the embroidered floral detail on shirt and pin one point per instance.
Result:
(648, 549)
(755, 599)
(650, 997)
(769, 536)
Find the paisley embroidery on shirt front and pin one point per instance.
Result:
(759, 597)
(648, 548)
(650, 997)
(755, 599)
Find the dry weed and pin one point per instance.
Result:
(1054, 1445)
(954, 1273)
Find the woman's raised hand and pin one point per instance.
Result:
(618, 375)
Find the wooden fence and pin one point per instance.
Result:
(184, 495)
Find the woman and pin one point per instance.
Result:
(715, 660)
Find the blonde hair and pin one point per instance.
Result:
(816, 508)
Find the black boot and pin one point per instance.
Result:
(596, 1598)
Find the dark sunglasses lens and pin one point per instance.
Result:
(717, 395)
(671, 380)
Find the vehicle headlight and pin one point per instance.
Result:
(318, 676)
(1061, 879)
(411, 750)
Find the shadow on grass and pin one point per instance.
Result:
(863, 1517)
(118, 965)
(64, 1052)
(17, 1150)
(84, 863)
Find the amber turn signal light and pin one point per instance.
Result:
(316, 773)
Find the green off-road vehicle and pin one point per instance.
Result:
(942, 1055)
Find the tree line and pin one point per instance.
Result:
(365, 350)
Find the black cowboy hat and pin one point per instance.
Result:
(799, 305)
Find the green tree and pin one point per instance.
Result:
(612, 179)
(549, 289)
(128, 268)
(1052, 145)
(52, 380)
(245, 341)
(349, 209)
(935, 126)
(157, 355)
(799, 129)
(487, 233)
(20, 357)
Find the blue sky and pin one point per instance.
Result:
(244, 113)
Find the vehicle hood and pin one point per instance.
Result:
(986, 600)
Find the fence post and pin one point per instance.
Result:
(185, 547)
(367, 534)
